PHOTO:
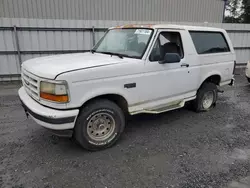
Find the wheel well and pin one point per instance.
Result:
(213, 79)
(117, 99)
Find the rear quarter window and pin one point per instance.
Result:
(209, 42)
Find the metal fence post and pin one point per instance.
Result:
(93, 35)
(17, 46)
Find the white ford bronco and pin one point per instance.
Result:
(132, 69)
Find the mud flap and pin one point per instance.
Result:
(25, 110)
(232, 82)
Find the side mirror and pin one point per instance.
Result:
(171, 58)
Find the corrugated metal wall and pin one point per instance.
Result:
(143, 10)
(47, 41)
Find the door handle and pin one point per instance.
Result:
(184, 65)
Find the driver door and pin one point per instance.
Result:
(168, 82)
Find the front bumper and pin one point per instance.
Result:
(47, 117)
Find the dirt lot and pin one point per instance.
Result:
(175, 149)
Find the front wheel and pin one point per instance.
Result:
(206, 97)
(99, 125)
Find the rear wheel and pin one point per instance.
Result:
(206, 97)
(99, 125)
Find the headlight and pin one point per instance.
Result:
(54, 91)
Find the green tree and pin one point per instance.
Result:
(245, 11)
(233, 6)
(231, 19)
(233, 11)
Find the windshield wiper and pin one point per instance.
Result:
(113, 53)
(92, 51)
(130, 56)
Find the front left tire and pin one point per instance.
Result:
(99, 125)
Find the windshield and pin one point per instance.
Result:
(125, 42)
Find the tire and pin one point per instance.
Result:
(248, 80)
(99, 125)
(207, 89)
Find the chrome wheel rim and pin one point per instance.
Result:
(101, 126)
(208, 100)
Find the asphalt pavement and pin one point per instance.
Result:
(180, 149)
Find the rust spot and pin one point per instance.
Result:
(128, 26)
(149, 25)
(135, 26)
(118, 27)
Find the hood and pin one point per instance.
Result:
(50, 66)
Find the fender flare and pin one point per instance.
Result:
(209, 74)
(100, 92)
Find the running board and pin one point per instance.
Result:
(165, 108)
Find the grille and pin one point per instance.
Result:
(31, 84)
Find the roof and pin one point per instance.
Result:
(171, 26)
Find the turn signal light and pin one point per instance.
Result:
(56, 98)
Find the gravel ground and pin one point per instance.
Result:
(175, 149)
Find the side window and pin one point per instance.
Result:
(167, 42)
(209, 42)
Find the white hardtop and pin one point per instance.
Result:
(171, 26)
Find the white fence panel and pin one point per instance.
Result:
(240, 39)
(242, 55)
(7, 42)
(9, 65)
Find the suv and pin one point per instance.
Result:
(132, 69)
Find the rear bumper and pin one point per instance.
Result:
(47, 117)
(247, 73)
(228, 82)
